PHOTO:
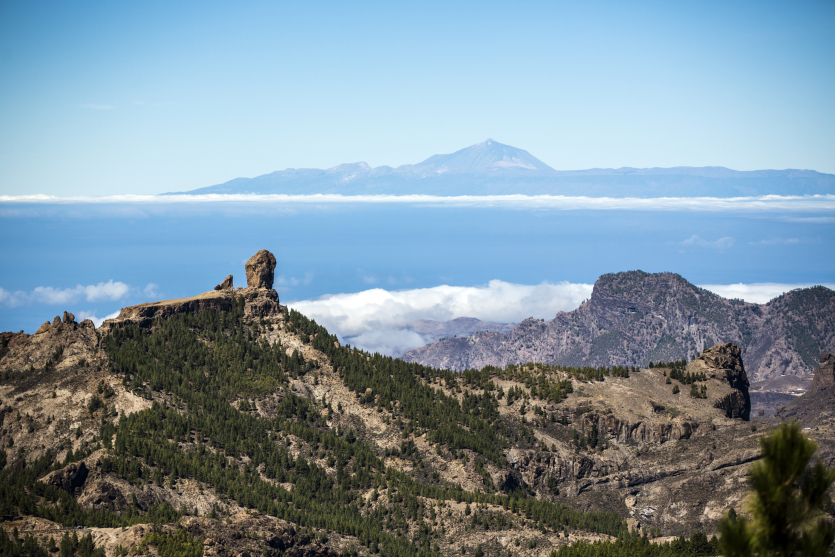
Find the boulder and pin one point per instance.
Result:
(723, 362)
(71, 477)
(56, 322)
(825, 372)
(43, 328)
(226, 284)
(68, 318)
(260, 270)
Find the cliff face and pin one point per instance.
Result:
(259, 298)
(633, 318)
(724, 363)
(817, 406)
(59, 345)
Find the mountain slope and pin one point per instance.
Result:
(227, 423)
(486, 157)
(492, 168)
(633, 318)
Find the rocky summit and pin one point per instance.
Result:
(226, 424)
(635, 318)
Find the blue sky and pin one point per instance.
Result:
(116, 98)
(110, 98)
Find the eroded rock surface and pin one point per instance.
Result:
(816, 407)
(226, 284)
(260, 300)
(57, 345)
(724, 362)
(825, 372)
(260, 270)
(70, 478)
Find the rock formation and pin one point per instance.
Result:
(260, 270)
(70, 478)
(57, 345)
(816, 406)
(724, 362)
(260, 300)
(226, 284)
(825, 373)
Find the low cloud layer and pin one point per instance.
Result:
(384, 321)
(66, 298)
(757, 292)
(109, 291)
(381, 320)
(720, 243)
(807, 203)
(91, 315)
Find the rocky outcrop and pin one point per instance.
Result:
(816, 406)
(70, 478)
(260, 300)
(233, 537)
(57, 345)
(226, 284)
(633, 318)
(825, 372)
(724, 363)
(260, 270)
(144, 315)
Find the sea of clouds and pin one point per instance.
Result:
(11, 205)
(383, 321)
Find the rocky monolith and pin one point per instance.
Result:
(260, 270)
(825, 372)
(724, 363)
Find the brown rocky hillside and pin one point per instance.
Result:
(227, 422)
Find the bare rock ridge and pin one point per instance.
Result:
(634, 317)
(260, 299)
(724, 362)
(61, 344)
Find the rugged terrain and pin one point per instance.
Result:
(816, 407)
(227, 423)
(634, 318)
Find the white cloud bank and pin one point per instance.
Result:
(721, 243)
(757, 292)
(102, 292)
(109, 291)
(91, 315)
(381, 321)
(796, 203)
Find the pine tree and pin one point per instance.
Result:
(786, 501)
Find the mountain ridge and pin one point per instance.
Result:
(229, 423)
(635, 317)
(493, 168)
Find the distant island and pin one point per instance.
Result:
(492, 168)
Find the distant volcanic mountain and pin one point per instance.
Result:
(492, 168)
(633, 318)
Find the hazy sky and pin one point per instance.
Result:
(117, 97)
